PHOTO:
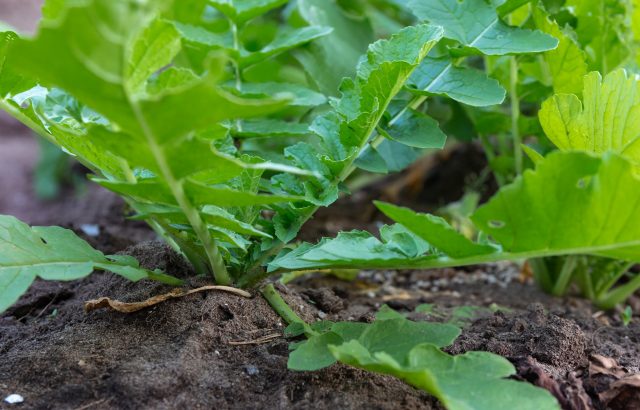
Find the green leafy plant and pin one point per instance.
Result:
(412, 352)
(224, 163)
(227, 124)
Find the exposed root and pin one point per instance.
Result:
(258, 341)
(130, 307)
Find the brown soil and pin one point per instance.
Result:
(181, 353)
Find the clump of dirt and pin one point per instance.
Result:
(548, 338)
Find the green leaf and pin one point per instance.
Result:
(474, 380)
(300, 96)
(436, 231)
(476, 25)
(241, 11)
(52, 253)
(154, 49)
(572, 203)
(380, 76)
(268, 128)
(334, 57)
(381, 336)
(438, 76)
(567, 63)
(416, 130)
(411, 351)
(608, 118)
(286, 39)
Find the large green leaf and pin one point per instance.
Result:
(154, 134)
(572, 203)
(608, 118)
(476, 25)
(53, 253)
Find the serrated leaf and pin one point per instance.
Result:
(153, 49)
(436, 231)
(608, 118)
(438, 76)
(52, 253)
(381, 75)
(476, 25)
(567, 63)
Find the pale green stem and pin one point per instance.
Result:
(281, 307)
(605, 287)
(515, 115)
(564, 278)
(619, 294)
(193, 216)
(236, 64)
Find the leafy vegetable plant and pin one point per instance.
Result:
(227, 124)
(411, 351)
(226, 162)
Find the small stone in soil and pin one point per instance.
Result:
(90, 229)
(14, 399)
(251, 370)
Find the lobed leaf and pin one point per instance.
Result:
(411, 351)
(567, 63)
(607, 118)
(53, 253)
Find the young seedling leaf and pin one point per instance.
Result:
(474, 380)
(411, 351)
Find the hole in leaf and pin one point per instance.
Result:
(583, 182)
(496, 224)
